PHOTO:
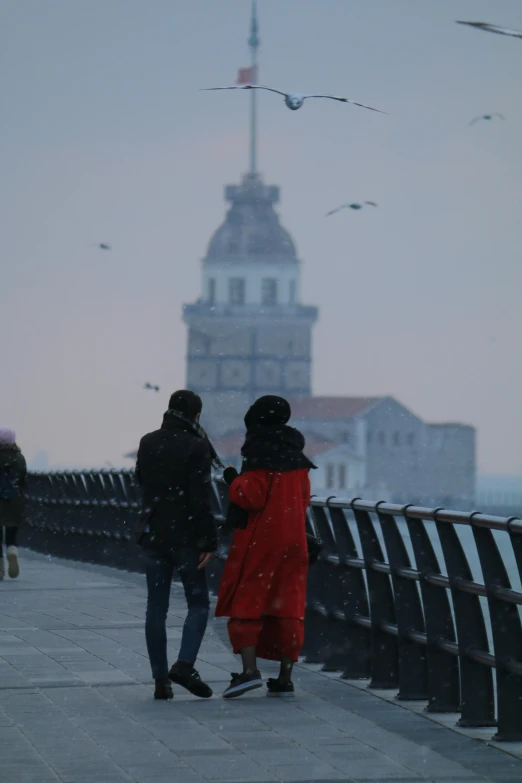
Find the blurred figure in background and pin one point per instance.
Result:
(13, 472)
(263, 586)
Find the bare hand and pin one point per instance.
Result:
(204, 559)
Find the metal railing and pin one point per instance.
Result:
(380, 605)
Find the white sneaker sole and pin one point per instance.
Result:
(244, 687)
(13, 569)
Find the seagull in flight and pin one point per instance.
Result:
(486, 117)
(103, 246)
(493, 28)
(151, 387)
(356, 205)
(294, 100)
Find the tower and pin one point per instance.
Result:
(249, 334)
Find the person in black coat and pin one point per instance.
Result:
(178, 532)
(13, 473)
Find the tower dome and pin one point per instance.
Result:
(251, 231)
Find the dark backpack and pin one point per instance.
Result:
(9, 483)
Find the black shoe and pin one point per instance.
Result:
(163, 689)
(241, 683)
(277, 688)
(188, 677)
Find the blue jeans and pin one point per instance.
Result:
(159, 571)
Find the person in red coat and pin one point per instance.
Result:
(263, 586)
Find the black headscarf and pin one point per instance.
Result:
(270, 443)
(268, 411)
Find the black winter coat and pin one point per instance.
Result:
(173, 468)
(12, 511)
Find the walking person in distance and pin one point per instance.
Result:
(178, 532)
(263, 586)
(13, 472)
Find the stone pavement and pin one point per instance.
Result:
(76, 704)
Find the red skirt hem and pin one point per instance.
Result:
(273, 637)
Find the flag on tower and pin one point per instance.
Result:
(246, 75)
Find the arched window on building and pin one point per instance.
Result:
(330, 475)
(269, 291)
(212, 291)
(236, 290)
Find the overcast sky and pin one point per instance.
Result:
(106, 138)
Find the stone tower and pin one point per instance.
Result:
(248, 333)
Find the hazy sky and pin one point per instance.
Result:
(106, 138)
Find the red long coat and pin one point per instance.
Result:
(267, 565)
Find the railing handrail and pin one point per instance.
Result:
(421, 512)
(409, 510)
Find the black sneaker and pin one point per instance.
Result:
(241, 683)
(188, 677)
(277, 688)
(163, 690)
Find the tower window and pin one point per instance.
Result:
(346, 436)
(292, 292)
(330, 476)
(411, 438)
(342, 476)
(236, 290)
(382, 438)
(269, 291)
(396, 438)
(212, 290)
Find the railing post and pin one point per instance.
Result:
(329, 583)
(507, 637)
(355, 601)
(316, 621)
(384, 662)
(413, 673)
(443, 668)
(476, 679)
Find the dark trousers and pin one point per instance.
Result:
(10, 537)
(159, 572)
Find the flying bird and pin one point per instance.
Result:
(102, 246)
(294, 100)
(151, 387)
(493, 28)
(486, 117)
(356, 205)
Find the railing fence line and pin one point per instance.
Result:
(373, 611)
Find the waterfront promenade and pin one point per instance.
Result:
(76, 704)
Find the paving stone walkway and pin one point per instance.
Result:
(76, 704)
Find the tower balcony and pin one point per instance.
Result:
(290, 312)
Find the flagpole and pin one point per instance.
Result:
(253, 42)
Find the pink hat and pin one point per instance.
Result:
(7, 436)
